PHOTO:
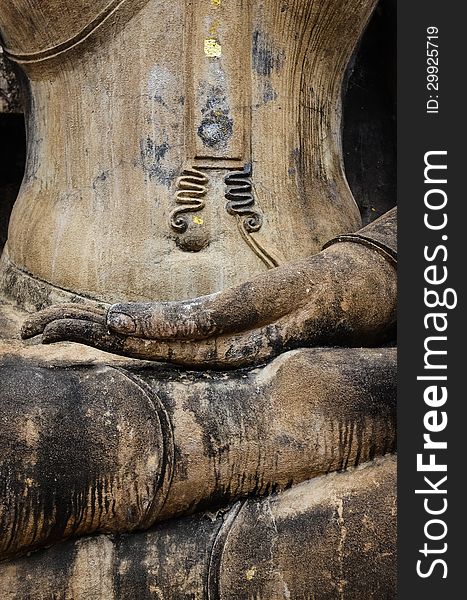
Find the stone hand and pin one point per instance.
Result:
(345, 295)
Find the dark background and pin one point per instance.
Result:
(369, 136)
(12, 155)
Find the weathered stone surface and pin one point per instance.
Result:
(333, 537)
(113, 201)
(10, 101)
(73, 443)
(368, 105)
(113, 448)
(345, 295)
(162, 167)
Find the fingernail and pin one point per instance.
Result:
(121, 322)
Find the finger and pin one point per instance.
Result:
(224, 352)
(306, 327)
(258, 302)
(231, 351)
(97, 335)
(165, 320)
(84, 331)
(228, 351)
(36, 323)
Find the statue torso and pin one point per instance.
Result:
(178, 148)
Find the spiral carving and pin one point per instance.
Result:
(191, 189)
(240, 199)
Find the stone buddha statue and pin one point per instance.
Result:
(213, 411)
